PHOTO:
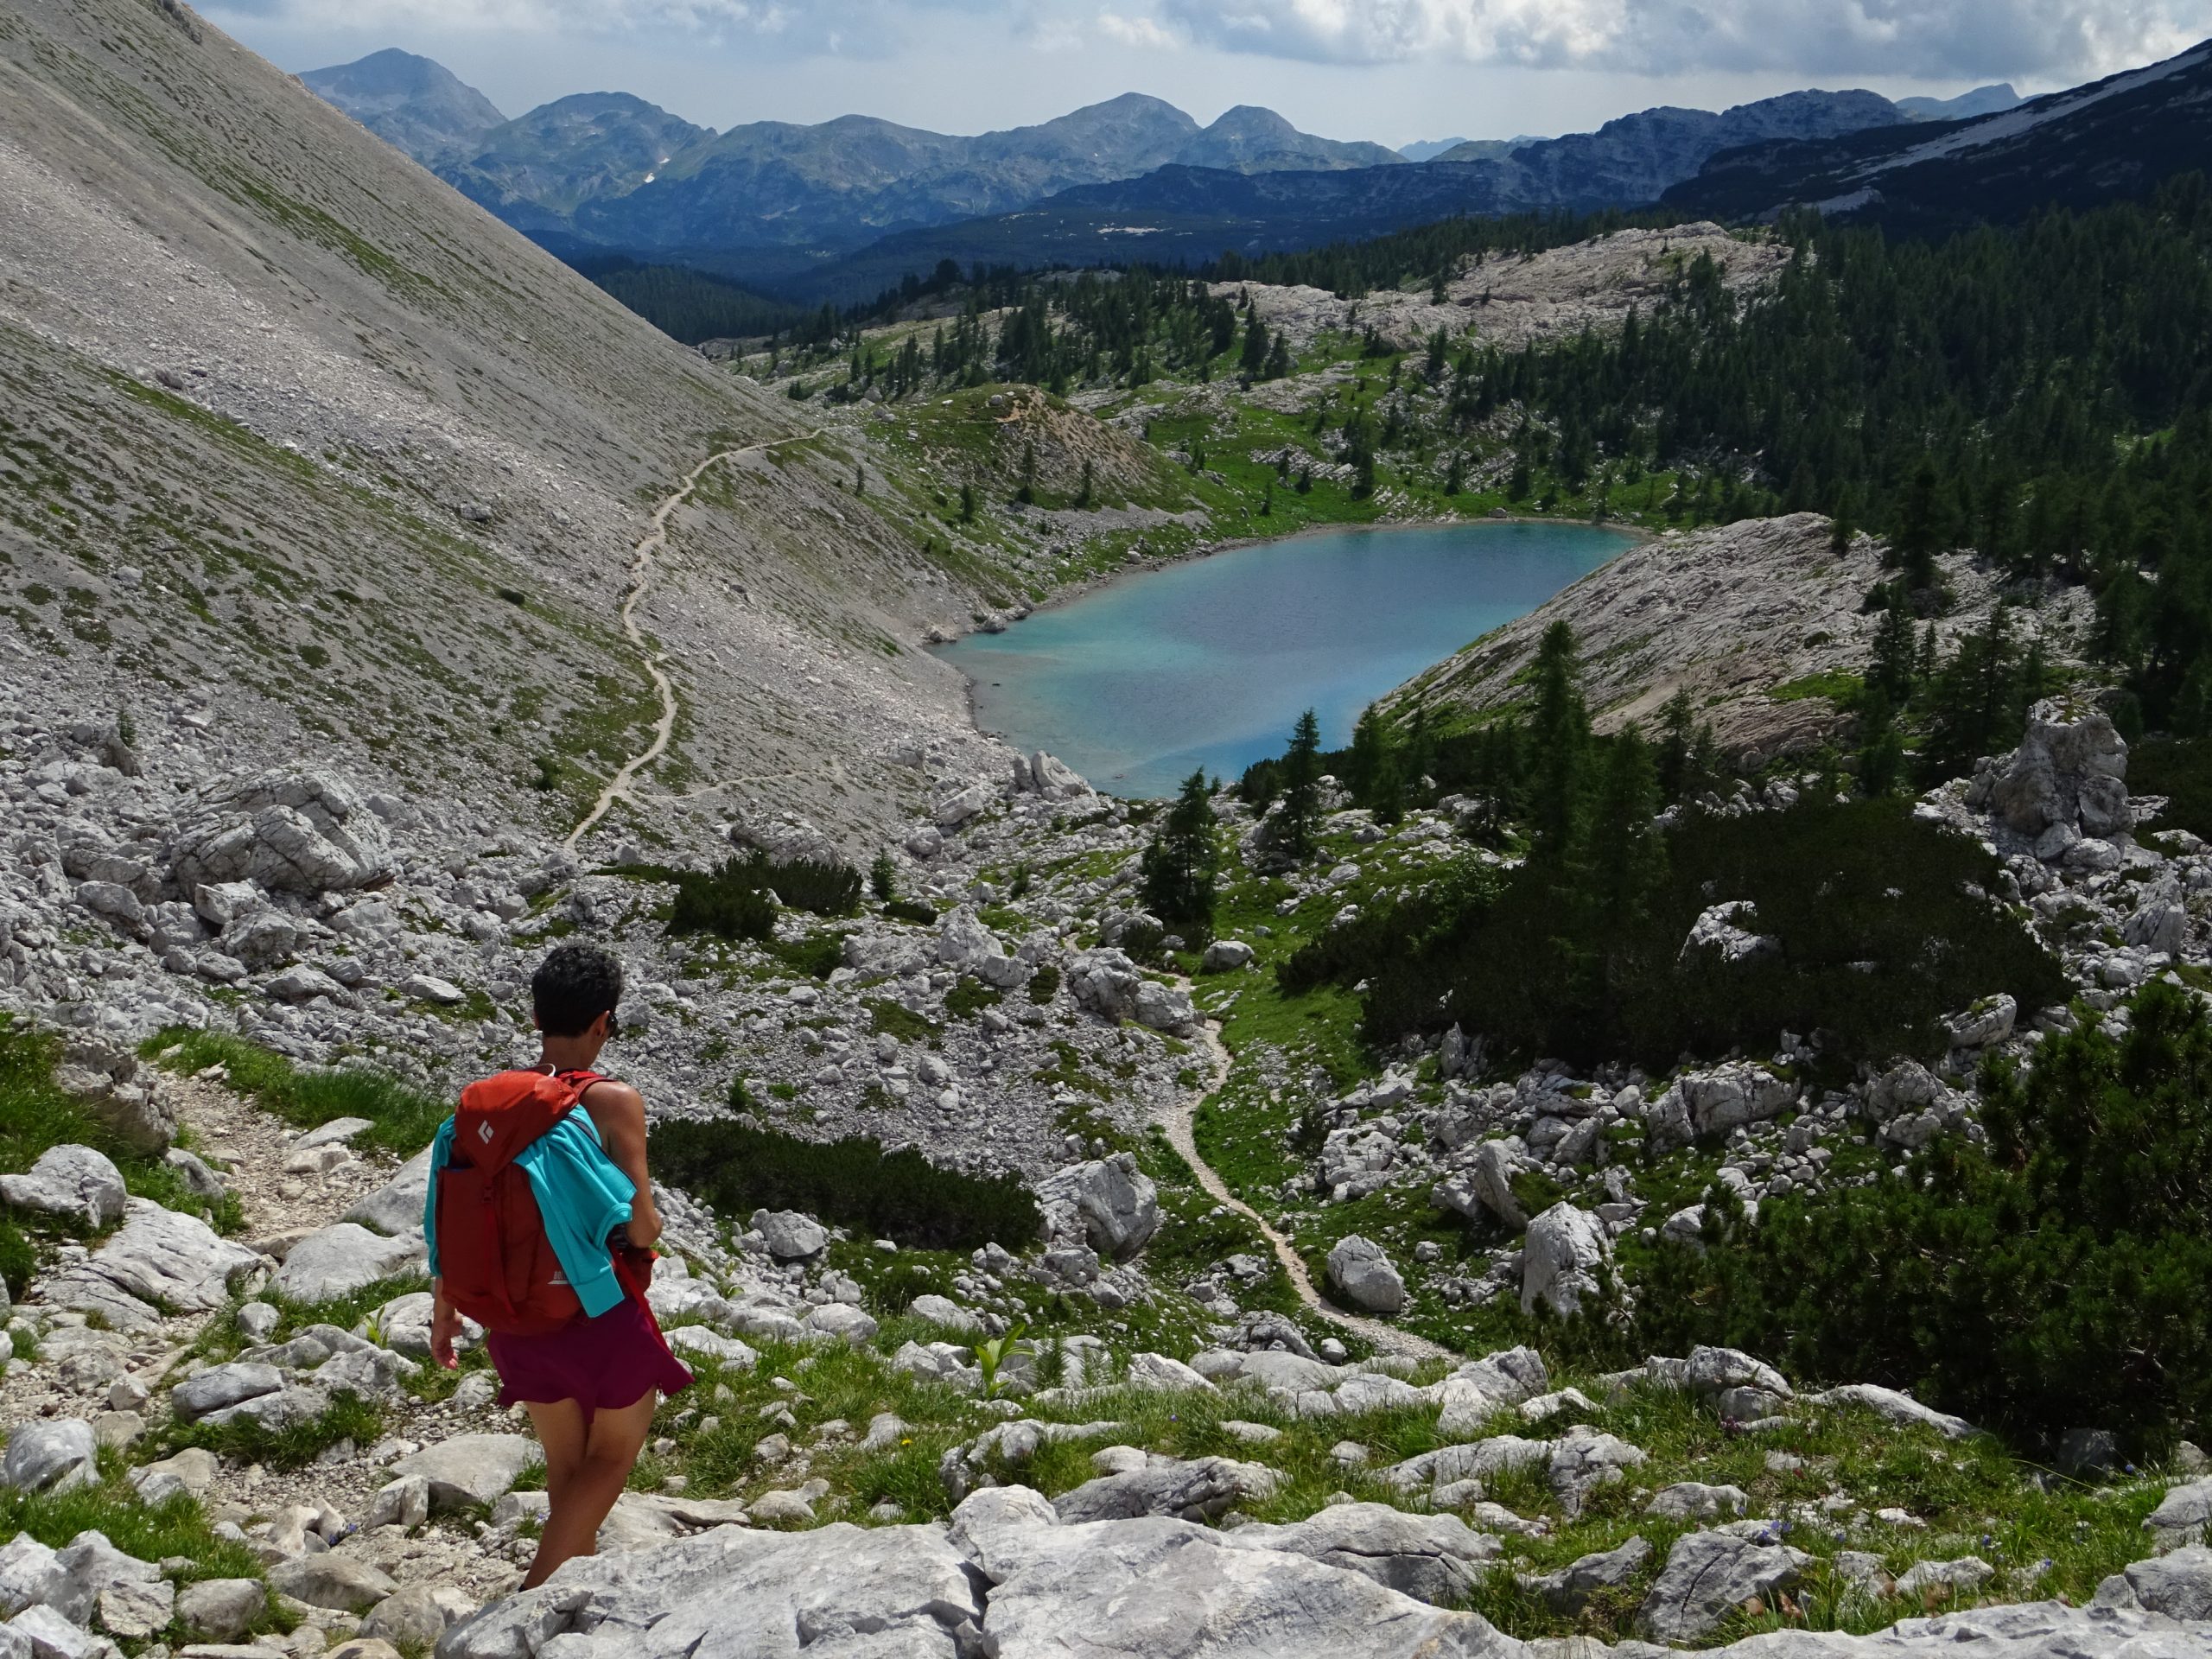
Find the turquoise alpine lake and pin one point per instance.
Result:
(1209, 662)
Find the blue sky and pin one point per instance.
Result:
(1391, 70)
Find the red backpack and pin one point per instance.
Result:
(493, 1253)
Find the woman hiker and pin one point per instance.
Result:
(540, 1221)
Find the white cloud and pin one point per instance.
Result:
(1825, 41)
(1146, 32)
(1926, 38)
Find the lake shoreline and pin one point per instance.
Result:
(1084, 587)
(1342, 621)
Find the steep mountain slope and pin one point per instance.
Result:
(537, 169)
(291, 422)
(410, 102)
(2118, 137)
(1185, 213)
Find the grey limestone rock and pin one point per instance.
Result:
(71, 1180)
(470, 1469)
(2179, 1586)
(1691, 1500)
(2184, 1515)
(341, 1259)
(1485, 1187)
(1108, 1203)
(1897, 1407)
(2070, 772)
(1559, 1260)
(220, 1385)
(50, 1456)
(737, 1593)
(289, 832)
(1707, 1575)
(1198, 1489)
(1566, 1590)
(159, 1258)
(1364, 1275)
(791, 1236)
(220, 1610)
(329, 1580)
(397, 1206)
(1432, 1558)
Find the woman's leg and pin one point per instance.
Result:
(598, 1463)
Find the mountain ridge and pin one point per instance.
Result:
(2117, 136)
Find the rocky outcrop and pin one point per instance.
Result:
(2067, 781)
(288, 832)
(1729, 614)
(1108, 1204)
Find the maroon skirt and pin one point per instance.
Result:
(603, 1364)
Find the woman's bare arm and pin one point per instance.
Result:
(619, 1112)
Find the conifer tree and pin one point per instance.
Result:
(1301, 793)
(1254, 361)
(1179, 867)
(1559, 739)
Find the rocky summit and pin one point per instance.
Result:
(1502, 1188)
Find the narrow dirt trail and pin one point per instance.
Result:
(641, 566)
(1177, 1124)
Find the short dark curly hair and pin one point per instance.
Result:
(573, 987)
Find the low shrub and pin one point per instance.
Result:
(739, 1168)
(2181, 770)
(817, 956)
(729, 901)
(2057, 1280)
(1883, 924)
(970, 997)
(823, 885)
(176, 1528)
(348, 1418)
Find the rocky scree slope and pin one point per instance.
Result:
(288, 421)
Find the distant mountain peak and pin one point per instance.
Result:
(1427, 150)
(1982, 100)
(414, 104)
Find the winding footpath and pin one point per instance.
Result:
(1176, 1123)
(641, 566)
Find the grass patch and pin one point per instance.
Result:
(176, 1526)
(402, 1119)
(348, 1418)
(37, 1114)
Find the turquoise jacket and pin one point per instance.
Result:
(582, 1193)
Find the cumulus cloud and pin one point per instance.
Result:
(1919, 38)
(1148, 32)
(1817, 38)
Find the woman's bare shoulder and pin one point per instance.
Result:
(610, 1102)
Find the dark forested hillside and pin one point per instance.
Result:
(2040, 394)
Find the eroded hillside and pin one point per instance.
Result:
(286, 416)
